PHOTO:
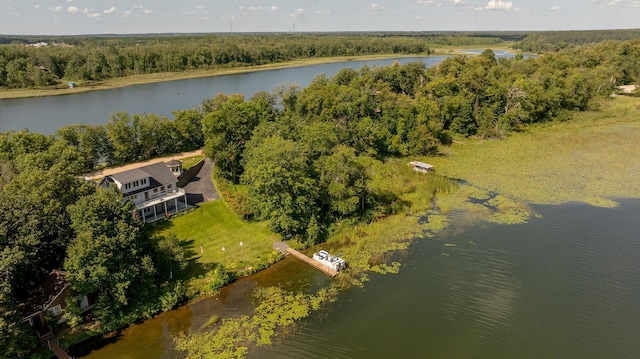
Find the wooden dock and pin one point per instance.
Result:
(284, 248)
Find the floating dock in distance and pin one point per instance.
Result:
(284, 248)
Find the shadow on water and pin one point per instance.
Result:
(94, 343)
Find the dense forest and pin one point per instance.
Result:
(550, 41)
(301, 156)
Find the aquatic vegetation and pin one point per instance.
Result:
(276, 312)
(589, 159)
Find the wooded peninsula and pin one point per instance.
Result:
(325, 163)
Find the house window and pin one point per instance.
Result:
(155, 190)
(57, 310)
(84, 302)
(162, 189)
(169, 186)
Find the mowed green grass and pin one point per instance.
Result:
(593, 158)
(212, 227)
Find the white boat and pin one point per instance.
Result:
(333, 262)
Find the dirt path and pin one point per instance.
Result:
(112, 170)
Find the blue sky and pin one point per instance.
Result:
(72, 17)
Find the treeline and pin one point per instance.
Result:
(105, 58)
(552, 41)
(305, 160)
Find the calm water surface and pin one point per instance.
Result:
(564, 285)
(46, 114)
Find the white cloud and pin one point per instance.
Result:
(111, 10)
(260, 8)
(457, 2)
(56, 9)
(376, 7)
(297, 13)
(498, 5)
(69, 1)
(37, 7)
(425, 2)
(73, 9)
(94, 14)
(554, 8)
(323, 12)
(148, 12)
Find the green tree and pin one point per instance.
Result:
(344, 178)
(109, 257)
(91, 141)
(282, 187)
(122, 137)
(17, 338)
(153, 135)
(34, 225)
(228, 128)
(187, 126)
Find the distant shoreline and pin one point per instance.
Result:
(173, 76)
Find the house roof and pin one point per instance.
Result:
(174, 163)
(130, 175)
(50, 289)
(159, 172)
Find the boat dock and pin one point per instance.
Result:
(285, 249)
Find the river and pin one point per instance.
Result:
(47, 114)
(563, 285)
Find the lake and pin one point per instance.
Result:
(563, 285)
(47, 114)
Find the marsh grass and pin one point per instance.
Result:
(593, 158)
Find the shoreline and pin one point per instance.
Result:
(6, 94)
(175, 76)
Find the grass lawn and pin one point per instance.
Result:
(214, 227)
(191, 161)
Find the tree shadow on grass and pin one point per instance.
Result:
(158, 226)
(194, 268)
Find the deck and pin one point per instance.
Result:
(284, 248)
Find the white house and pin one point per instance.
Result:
(152, 188)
